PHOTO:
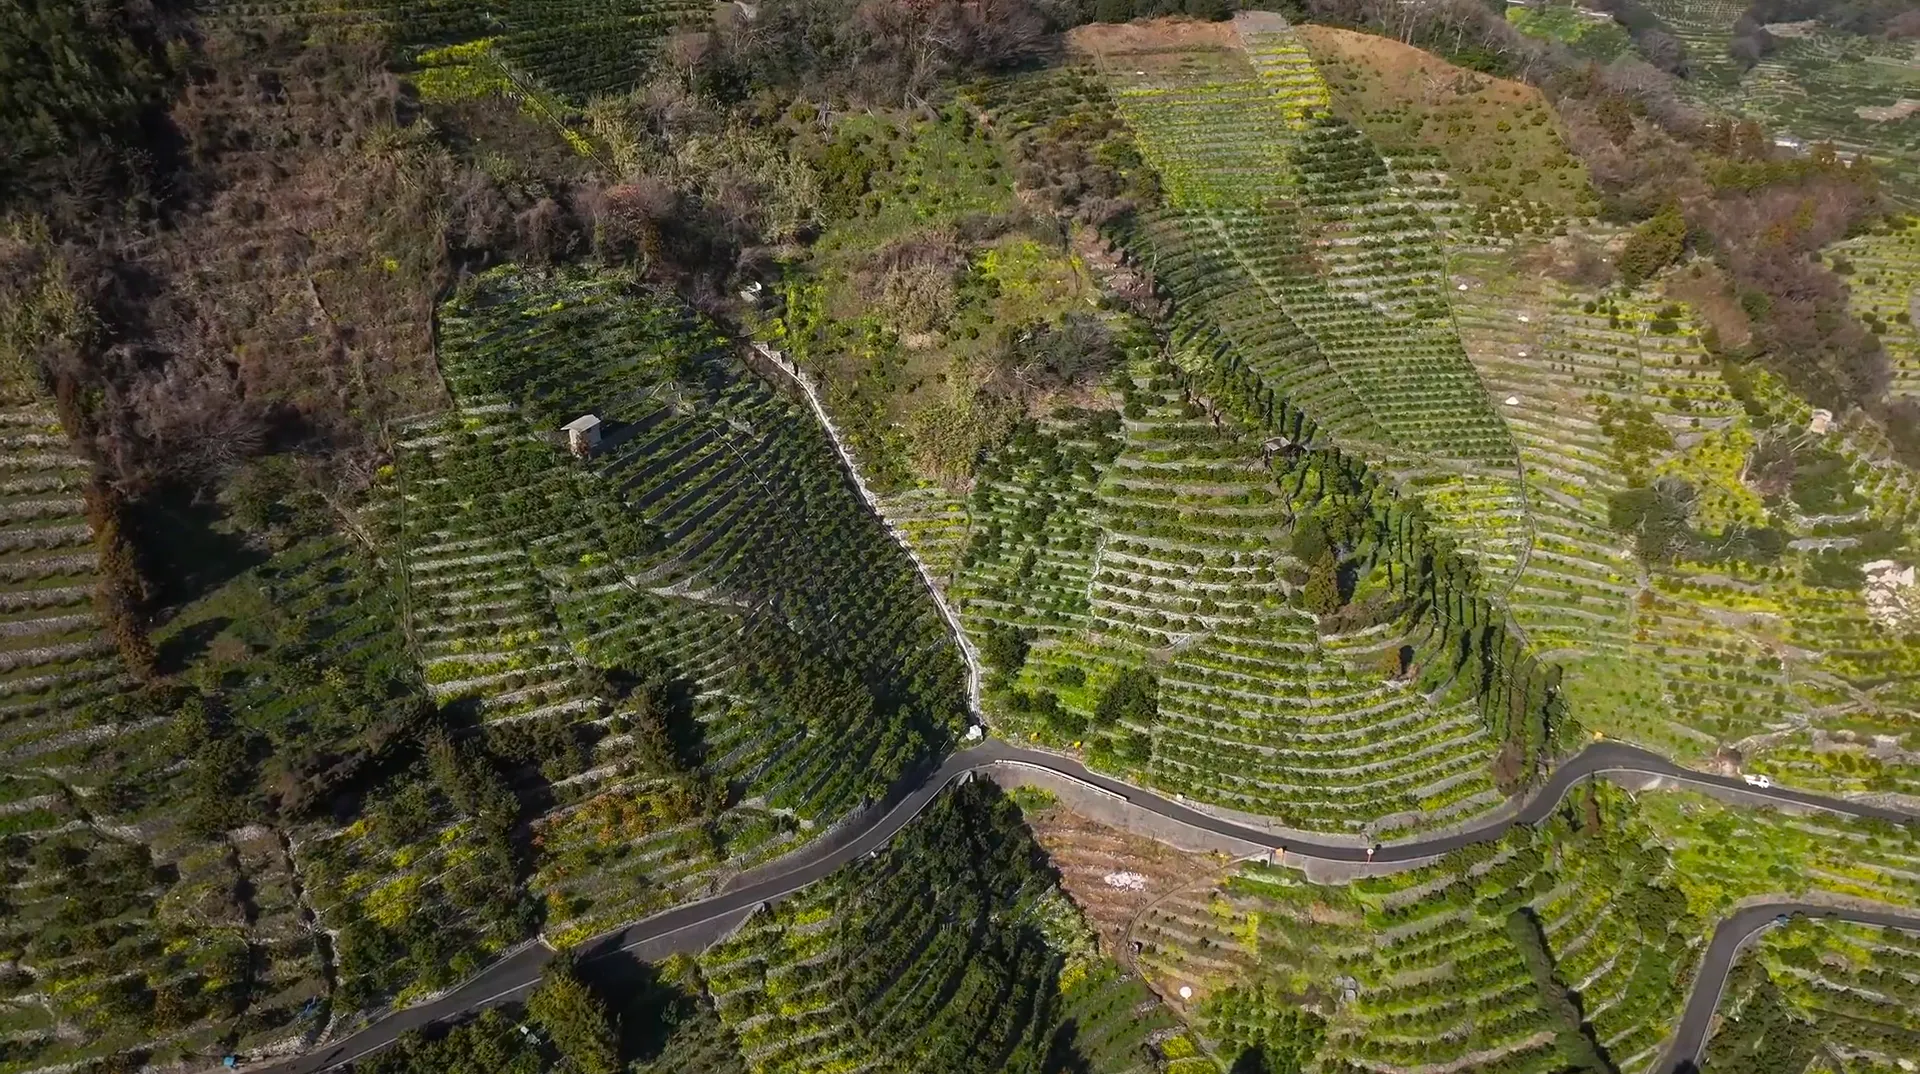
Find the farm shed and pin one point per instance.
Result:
(583, 435)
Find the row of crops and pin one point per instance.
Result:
(1827, 993)
(1161, 539)
(1815, 84)
(1420, 969)
(951, 950)
(1332, 287)
(541, 693)
(1321, 259)
(1608, 393)
(147, 914)
(1883, 284)
(54, 654)
(574, 48)
(711, 539)
(124, 923)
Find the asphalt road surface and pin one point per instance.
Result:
(695, 925)
(1683, 1051)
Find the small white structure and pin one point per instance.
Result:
(1186, 992)
(1459, 286)
(1513, 400)
(1821, 421)
(583, 435)
(753, 291)
(974, 733)
(1524, 319)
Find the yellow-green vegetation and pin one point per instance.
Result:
(1500, 140)
(1733, 613)
(953, 950)
(1882, 273)
(1423, 966)
(1822, 995)
(926, 294)
(575, 52)
(1587, 32)
(478, 69)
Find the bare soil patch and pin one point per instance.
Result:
(1500, 138)
(1152, 35)
(1900, 109)
(1111, 875)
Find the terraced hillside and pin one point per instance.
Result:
(1826, 995)
(1433, 968)
(1497, 141)
(524, 50)
(1167, 550)
(711, 544)
(127, 921)
(1771, 650)
(952, 950)
(1322, 261)
(146, 914)
(1160, 573)
(1816, 84)
(1883, 277)
(1855, 92)
(55, 653)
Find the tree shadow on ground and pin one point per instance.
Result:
(184, 554)
(188, 644)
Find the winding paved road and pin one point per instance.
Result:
(695, 925)
(1690, 1037)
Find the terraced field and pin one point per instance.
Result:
(712, 542)
(146, 914)
(1883, 280)
(124, 924)
(1830, 995)
(1841, 88)
(1322, 264)
(1159, 547)
(952, 950)
(54, 654)
(1418, 970)
(522, 49)
(1816, 85)
(1607, 393)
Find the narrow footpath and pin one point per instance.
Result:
(805, 383)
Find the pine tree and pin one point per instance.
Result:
(575, 1019)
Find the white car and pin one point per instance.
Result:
(1761, 782)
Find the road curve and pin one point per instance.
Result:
(694, 925)
(1690, 1037)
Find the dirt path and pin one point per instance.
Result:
(805, 383)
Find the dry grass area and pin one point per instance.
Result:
(1498, 137)
(1112, 874)
(1709, 293)
(1103, 40)
(1901, 109)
